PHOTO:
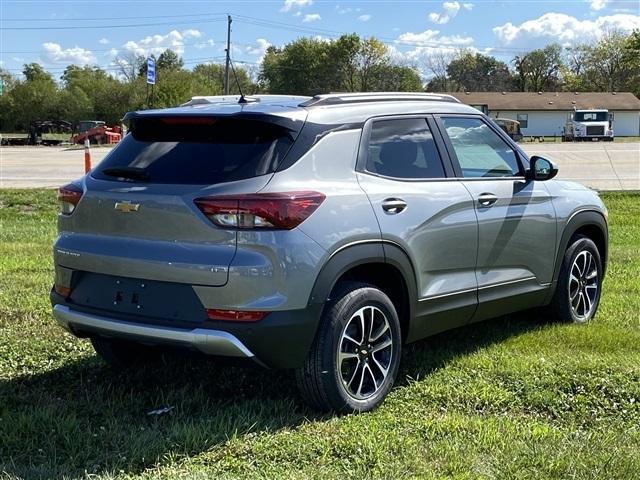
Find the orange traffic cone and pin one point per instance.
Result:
(87, 156)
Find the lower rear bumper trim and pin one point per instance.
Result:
(211, 342)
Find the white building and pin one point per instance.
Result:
(546, 113)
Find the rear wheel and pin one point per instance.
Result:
(577, 295)
(122, 354)
(354, 359)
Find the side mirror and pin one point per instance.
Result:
(541, 169)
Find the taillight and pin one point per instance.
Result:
(280, 211)
(235, 315)
(68, 197)
(63, 291)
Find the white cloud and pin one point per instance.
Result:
(432, 38)
(562, 28)
(420, 48)
(104, 41)
(449, 11)
(598, 4)
(342, 10)
(289, 4)
(364, 18)
(54, 53)
(156, 44)
(112, 52)
(311, 17)
(207, 43)
(258, 48)
(297, 14)
(467, 6)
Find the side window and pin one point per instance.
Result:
(403, 148)
(480, 151)
(523, 118)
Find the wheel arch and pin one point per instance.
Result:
(382, 264)
(590, 223)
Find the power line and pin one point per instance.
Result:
(132, 25)
(171, 47)
(87, 19)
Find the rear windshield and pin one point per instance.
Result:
(196, 150)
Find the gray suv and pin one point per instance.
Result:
(318, 234)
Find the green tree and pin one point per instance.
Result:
(475, 72)
(309, 66)
(169, 60)
(609, 64)
(539, 70)
(372, 57)
(34, 72)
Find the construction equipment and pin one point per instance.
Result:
(97, 132)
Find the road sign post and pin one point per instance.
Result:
(151, 76)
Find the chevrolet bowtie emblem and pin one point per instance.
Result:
(127, 207)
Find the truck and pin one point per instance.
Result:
(590, 124)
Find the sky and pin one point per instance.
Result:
(56, 33)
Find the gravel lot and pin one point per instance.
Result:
(604, 166)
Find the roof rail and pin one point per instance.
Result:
(211, 99)
(345, 98)
(206, 100)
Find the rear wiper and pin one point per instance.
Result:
(133, 173)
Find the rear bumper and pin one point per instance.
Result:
(211, 342)
(280, 340)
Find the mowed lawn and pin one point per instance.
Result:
(517, 397)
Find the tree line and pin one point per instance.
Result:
(310, 65)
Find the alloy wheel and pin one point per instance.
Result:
(365, 352)
(583, 285)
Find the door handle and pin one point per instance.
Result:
(487, 199)
(393, 205)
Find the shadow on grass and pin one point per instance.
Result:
(83, 418)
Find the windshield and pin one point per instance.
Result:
(591, 116)
(196, 150)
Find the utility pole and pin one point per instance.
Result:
(228, 50)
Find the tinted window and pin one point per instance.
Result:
(202, 151)
(480, 151)
(403, 148)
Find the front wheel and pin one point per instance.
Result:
(579, 286)
(354, 359)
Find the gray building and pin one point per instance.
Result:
(546, 113)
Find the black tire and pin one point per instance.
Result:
(122, 354)
(565, 297)
(320, 379)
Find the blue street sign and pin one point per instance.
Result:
(151, 71)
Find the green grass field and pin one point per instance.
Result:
(511, 398)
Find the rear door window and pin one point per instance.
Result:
(196, 150)
(404, 149)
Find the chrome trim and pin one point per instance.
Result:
(212, 342)
(443, 295)
(500, 284)
(362, 242)
(483, 287)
